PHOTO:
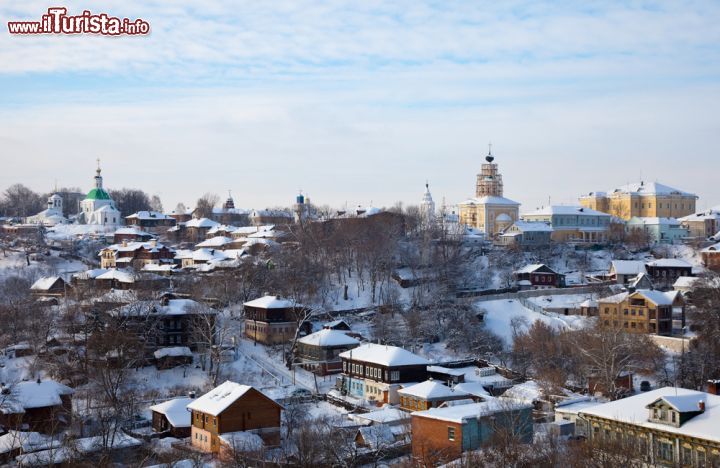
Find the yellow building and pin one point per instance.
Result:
(643, 311)
(489, 211)
(642, 200)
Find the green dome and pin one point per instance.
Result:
(97, 194)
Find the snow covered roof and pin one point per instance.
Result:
(31, 394)
(132, 231)
(649, 188)
(566, 210)
(685, 282)
(575, 406)
(702, 216)
(135, 245)
(462, 413)
(377, 436)
(218, 399)
(174, 351)
(156, 267)
(615, 298)
(148, 215)
(28, 441)
(528, 392)
(175, 411)
(432, 390)
(217, 241)
(271, 302)
(45, 283)
(270, 213)
(445, 370)
(173, 307)
(658, 297)
(490, 200)
(533, 226)
(682, 403)
(530, 268)
(386, 415)
(714, 247)
(654, 221)
(633, 410)
(627, 267)
(201, 223)
(90, 274)
(589, 303)
(242, 441)
(384, 355)
(119, 275)
(207, 255)
(328, 337)
(669, 263)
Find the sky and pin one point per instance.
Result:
(362, 102)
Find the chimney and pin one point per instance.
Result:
(124, 242)
(701, 406)
(713, 386)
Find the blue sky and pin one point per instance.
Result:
(361, 102)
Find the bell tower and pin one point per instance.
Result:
(489, 181)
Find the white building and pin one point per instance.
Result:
(98, 208)
(427, 206)
(52, 215)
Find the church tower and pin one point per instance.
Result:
(489, 181)
(489, 211)
(427, 205)
(98, 177)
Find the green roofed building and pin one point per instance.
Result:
(98, 207)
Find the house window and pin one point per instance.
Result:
(395, 375)
(665, 451)
(451, 433)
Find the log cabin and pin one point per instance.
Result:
(229, 408)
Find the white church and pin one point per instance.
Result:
(52, 215)
(98, 208)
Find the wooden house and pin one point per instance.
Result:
(49, 286)
(669, 426)
(429, 394)
(711, 256)
(375, 372)
(320, 351)
(167, 323)
(131, 234)
(136, 254)
(643, 311)
(538, 276)
(43, 406)
(151, 219)
(272, 319)
(665, 271)
(172, 417)
(174, 356)
(230, 408)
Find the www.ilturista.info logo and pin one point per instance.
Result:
(57, 21)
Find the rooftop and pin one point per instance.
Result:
(384, 355)
(566, 210)
(432, 390)
(633, 410)
(217, 400)
(328, 337)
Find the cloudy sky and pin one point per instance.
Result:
(361, 102)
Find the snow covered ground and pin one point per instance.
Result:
(500, 315)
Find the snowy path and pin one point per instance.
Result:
(282, 375)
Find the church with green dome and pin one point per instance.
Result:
(98, 208)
